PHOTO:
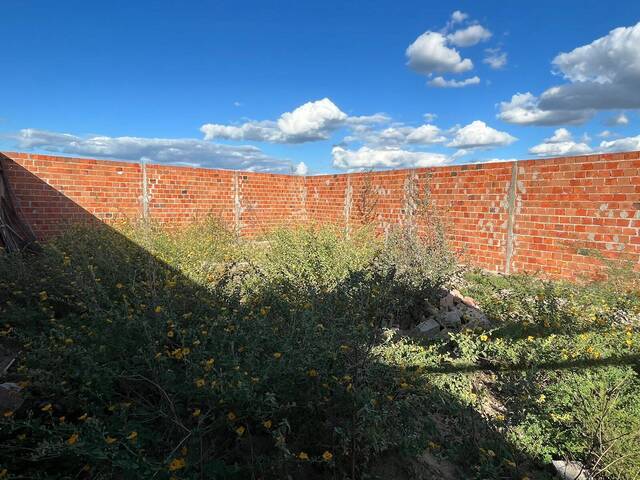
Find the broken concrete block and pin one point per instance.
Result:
(571, 470)
(429, 328)
(452, 319)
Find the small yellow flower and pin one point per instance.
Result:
(327, 456)
(83, 417)
(170, 334)
(47, 408)
(303, 456)
(73, 439)
(312, 373)
(43, 296)
(132, 436)
(240, 430)
(345, 348)
(231, 416)
(541, 398)
(277, 355)
(8, 413)
(68, 341)
(158, 309)
(200, 382)
(196, 412)
(177, 464)
(267, 424)
(484, 338)
(110, 440)
(119, 286)
(530, 338)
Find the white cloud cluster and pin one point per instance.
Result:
(310, 122)
(181, 151)
(435, 53)
(467, 37)
(366, 157)
(440, 82)
(479, 135)
(523, 109)
(603, 75)
(621, 144)
(397, 135)
(561, 143)
(495, 58)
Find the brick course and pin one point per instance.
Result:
(546, 215)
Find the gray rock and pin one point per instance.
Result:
(452, 319)
(568, 470)
(10, 397)
(447, 301)
(429, 328)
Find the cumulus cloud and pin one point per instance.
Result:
(181, 151)
(301, 169)
(366, 157)
(495, 58)
(443, 83)
(309, 122)
(469, 36)
(603, 75)
(479, 135)
(561, 143)
(621, 144)
(458, 17)
(398, 135)
(523, 109)
(429, 54)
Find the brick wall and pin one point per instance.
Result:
(535, 215)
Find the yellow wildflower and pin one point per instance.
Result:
(327, 456)
(158, 309)
(73, 439)
(8, 413)
(47, 408)
(119, 285)
(484, 338)
(110, 440)
(530, 338)
(83, 417)
(267, 424)
(177, 464)
(196, 412)
(303, 456)
(43, 296)
(277, 355)
(240, 430)
(132, 436)
(313, 373)
(231, 416)
(200, 382)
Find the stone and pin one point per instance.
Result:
(429, 328)
(10, 397)
(470, 302)
(476, 318)
(447, 301)
(568, 470)
(452, 319)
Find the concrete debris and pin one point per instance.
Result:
(10, 397)
(568, 470)
(456, 312)
(428, 328)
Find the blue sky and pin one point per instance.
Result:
(319, 86)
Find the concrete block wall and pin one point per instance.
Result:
(555, 216)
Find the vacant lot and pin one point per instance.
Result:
(146, 354)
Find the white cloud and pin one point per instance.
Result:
(469, 36)
(443, 83)
(606, 134)
(523, 109)
(429, 117)
(309, 122)
(622, 144)
(458, 17)
(561, 143)
(479, 135)
(619, 120)
(301, 169)
(366, 157)
(182, 151)
(397, 135)
(603, 75)
(429, 53)
(495, 58)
